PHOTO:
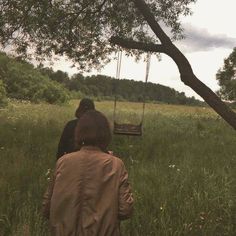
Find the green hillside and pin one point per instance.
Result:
(21, 80)
(106, 88)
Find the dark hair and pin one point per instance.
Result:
(85, 105)
(93, 129)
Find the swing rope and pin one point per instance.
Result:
(130, 129)
(118, 67)
(145, 85)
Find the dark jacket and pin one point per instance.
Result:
(67, 140)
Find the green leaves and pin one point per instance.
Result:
(81, 29)
(23, 81)
(3, 97)
(226, 77)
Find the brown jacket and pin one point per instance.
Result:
(88, 195)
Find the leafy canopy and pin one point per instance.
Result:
(81, 29)
(226, 77)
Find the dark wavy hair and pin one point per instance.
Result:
(93, 129)
(85, 105)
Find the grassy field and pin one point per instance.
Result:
(182, 169)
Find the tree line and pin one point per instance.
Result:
(107, 88)
(21, 80)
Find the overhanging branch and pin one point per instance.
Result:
(186, 73)
(131, 44)
(150, 18)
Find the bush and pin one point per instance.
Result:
(24, 82)
(3, 97)
(76, 94)
(55, 93)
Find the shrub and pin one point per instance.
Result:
(25, 82)
(3, 97)
(55, 93)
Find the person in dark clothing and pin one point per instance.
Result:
(67, 140)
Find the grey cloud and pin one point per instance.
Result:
(197, 39)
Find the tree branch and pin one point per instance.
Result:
(131, 44)
(100, 6)
(150, 18)
(186, 72)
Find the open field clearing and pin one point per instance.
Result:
(182, 169)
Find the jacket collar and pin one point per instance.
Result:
(90, 148)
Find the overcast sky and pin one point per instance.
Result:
(210, 37)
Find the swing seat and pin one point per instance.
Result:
(127, 129)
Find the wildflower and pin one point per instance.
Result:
(202, 215)
(131, 159)
(171, 166)
(48, 172)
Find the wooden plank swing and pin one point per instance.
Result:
(125, 128)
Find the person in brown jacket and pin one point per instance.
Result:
(89, 193)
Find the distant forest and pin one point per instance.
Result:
(106, 88)
(21, 80)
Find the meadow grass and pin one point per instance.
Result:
(182, 169)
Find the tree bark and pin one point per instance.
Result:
(186, 73)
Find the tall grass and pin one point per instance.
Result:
(182, 169)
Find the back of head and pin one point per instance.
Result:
(93, 129)
(85, 105)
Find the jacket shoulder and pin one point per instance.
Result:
(71, 123)
(117, 160)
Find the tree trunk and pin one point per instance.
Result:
(186, 72)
